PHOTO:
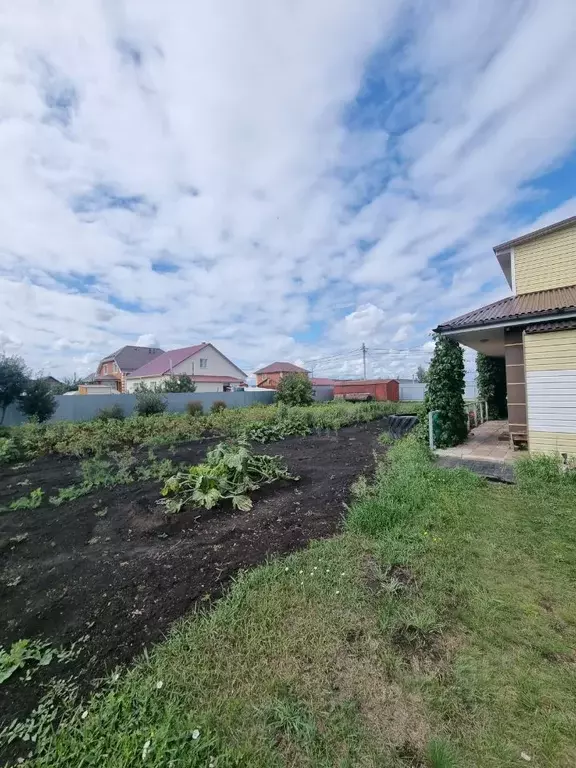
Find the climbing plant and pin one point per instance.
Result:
(491, 380)
(445, 392)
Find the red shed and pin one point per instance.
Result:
(368, 389)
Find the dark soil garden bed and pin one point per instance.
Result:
(114, 567)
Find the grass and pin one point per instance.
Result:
(438, 630)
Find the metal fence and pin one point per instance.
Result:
(414, 390)
(85, 407)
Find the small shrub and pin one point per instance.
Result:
(8, 450)
(113, 412)
(295, 389)
(194, 408)
(150, 403)
(218, 406)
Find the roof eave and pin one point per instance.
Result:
(510, 320)
(536, 234)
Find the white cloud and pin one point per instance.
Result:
(178, 172)
(147, 340)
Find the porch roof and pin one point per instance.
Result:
(551, 303)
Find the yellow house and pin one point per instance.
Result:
(535, 331)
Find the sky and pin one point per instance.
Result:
(287, 179)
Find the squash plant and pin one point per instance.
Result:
(231, 471)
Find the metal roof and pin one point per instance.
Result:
(129, 358)
(279, 367)
(554, 325)
(528, 305)
(167, 360)
(536, 234)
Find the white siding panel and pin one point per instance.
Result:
(551, 400)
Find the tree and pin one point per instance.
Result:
(421, 374)
(179, 382)
(37, 400)
(491, 380)
(445, 392)
(14, 376)
(295, 389)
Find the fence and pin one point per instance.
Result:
(85, 407)
(414, 390)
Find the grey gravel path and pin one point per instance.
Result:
(493, 470)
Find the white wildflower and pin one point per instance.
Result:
(195, 734)
(286, 569)
(145, 749)
(300, 571)
(84, 714)
(526, 757)
(159, 684)
(337, 591)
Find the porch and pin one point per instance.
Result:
(489, 441)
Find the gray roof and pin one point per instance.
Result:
(130, 358)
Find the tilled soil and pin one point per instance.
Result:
(114, 567)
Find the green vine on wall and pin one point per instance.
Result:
(491, 380)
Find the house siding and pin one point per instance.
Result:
(217, 365)
(546, 263)
(551, 391)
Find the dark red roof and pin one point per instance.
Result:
(282, 368)
(527, 305)
(324, 382)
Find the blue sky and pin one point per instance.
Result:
(288, 180)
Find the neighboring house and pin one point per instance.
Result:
(535, 331)
(268, 377)
(113, 369)
(52, 382)
(210, 370)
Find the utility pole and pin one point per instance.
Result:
(364, 358)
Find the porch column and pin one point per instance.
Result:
(515, 382)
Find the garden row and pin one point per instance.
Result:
(261, 423)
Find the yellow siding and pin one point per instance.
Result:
(552, 442)
(548, 262)
(554, 351)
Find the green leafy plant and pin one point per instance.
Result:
(231, 471)
(150, 403)
(295, 389)
(33, 501)
(8, 450)
(29, 654)
(491, 380)
(217, 406)
(113, 412)
(445, 393)
(194, 408)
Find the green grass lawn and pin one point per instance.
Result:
(439, 630)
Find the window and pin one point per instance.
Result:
(203, 362)
(114, 368)
(105, 369)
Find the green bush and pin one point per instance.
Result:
(445, 393)
(150, 403)
(217, 406)
(194, 408)
(113, 412)
(295, 389)
(8, 450)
